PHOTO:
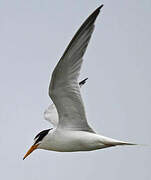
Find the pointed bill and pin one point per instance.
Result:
(30, 150)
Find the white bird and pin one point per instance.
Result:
(72, 132)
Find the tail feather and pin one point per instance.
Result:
(114, 142)
(117, 143)
(125, 143)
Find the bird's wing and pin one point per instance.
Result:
(51, 113)
(64, 88)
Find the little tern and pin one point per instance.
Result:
(71, 131)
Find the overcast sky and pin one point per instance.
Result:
(117, 96)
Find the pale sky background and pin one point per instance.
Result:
(117, 96)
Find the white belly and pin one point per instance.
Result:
(69, 141)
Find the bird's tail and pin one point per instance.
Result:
(129, 144)
(125, 143)
(114, 142)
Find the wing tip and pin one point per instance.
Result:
(100, 6)
(97, 11)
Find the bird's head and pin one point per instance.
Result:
(37, 141)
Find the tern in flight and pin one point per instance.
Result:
(71, 130)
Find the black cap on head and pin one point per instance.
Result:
(41, 135)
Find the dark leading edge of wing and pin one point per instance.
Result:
(90, 20)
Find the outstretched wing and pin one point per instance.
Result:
(64, 88)
(51, 113)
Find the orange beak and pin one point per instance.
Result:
(30, 150)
